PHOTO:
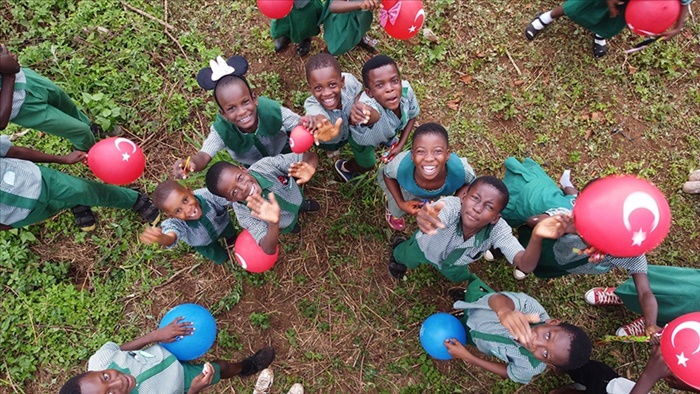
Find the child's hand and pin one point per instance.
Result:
(8, 62)
(671, 32)
(302, 171)
(203, 380)
(457, 350)
(151, 235)
(595, 256)
(268, 211)
(310, 121)
(326, 131)
(411, 207)
(360, 113)
(74, 157)
(427, 218)
(612, 6)
(653, 332)
(391, 153)
(174, 330)
(553, 227)
(371, 5)
(518, 324)
(182, 167)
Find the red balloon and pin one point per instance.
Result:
(250, 255)
(116, 160)
(652, 17)
(402, 19)
(622, 215)
(680, 347)
(300, 139)
(275, 9)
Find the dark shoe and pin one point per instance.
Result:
(457, 293)
(257, 362)
(99, 132)
(310, 206)
(599, 50)
(146, 209)
(396, 269)
(84, 218)
(296, 229)
(346, 176)
(230, 241)
(368, 44)
(281, 43)
(304, 47)
(531, 31)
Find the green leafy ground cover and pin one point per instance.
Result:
(338, 321)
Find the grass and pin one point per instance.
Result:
(338, 321)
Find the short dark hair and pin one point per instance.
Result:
(431, 128)
(319, 61)
(213, 175)
(163, 191)
(72, 385)
(580, 349)
(496, 183)
(374, 63)
(229, 80)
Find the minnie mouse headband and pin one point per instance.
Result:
(208, 77)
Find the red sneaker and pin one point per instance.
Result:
(603, 296)
(397, 224)
(636, 329)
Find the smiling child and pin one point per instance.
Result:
(427, 172)
(199, 218)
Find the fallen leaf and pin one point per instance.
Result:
(588, 134)
(453, 104)
(632, 70)
(518, 82)
(480, 54)
(595, 116)
(467, 79)
(429, 35)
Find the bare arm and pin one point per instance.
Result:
(404, 137)
(169, 333)
(457, 350)
(6, 92)
(650, 307)
(551, 227)
(18, 152)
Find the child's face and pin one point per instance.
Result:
(429, 154)
(239, 106)
(107, 381)
(236, 184)
(385, 86)
(325, 85)
(182, 204)
(551, 344)
(481, 205)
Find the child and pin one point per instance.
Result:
(199, 219)
(498, 324)
(605, 18)
(272, 177)
(455, 233)
(32, 101)
(562, 256)
(387, 107)
(332, 96)
(427, 172)
(248, 127)
(131, 368)
(299, 26)
(31, 193)
(345, 23)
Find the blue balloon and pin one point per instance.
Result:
(436, 329)
(192, 346)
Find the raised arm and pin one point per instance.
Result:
(169, 333)
(18, 152)
(650, 307)
(551, 227)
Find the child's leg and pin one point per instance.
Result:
(541, 21)
(364, 158)
(566, 184)
(391, 204)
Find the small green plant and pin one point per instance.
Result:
(104, 110)
(260, 320)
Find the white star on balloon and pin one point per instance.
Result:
(125, 156)
(411, 29)
(682, 359)
(639, 237)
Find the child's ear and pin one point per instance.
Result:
(496, 219)
(342, 81)
(369, 93)
(553, 322)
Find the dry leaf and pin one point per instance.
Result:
(481, 54)
(429, 35)
(632, 70)
(596, 116)
(467, 79)
(588, 134)
(453, 104)
(518, 82)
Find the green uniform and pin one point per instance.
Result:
(594, 15)
(344, 30)
(301, 23)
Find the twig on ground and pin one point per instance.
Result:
(513, 62)
(147, 15)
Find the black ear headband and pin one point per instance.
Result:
(208, 77)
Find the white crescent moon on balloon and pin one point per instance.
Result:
(690, 325)
(120, 140)
(639, 200)
(421, 12)
(241, 260)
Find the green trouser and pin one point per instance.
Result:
(676, 290)
(409, 254)
(60, 191)
(343, 31)
(300, 24)
(594, 15)
(364, 155)
(47, 108)
(215, 251)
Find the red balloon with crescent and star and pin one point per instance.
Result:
(680, 347)
(116, 160)
(251, 256)
(622, 215)
(402, 19)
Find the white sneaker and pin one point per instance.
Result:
(297, 388)
(519, 275)
(264, 382)
(488, 256)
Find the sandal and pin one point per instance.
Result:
(369, 44)
(531, 31)
(84, 218)
(146, 209)
(599, 50)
